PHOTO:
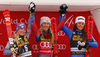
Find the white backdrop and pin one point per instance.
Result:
(96, 15)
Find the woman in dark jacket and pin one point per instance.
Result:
(21, 41)
(78, 38)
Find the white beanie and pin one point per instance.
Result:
(45, 19)
(80, 19)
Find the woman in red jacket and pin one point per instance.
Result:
(44, 36)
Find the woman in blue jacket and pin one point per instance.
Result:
(78, 38)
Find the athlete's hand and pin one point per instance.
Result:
(63, 9)
(20, 50)
(12, 50)
(32, 7)
(81, 43)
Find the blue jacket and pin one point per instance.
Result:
(69, 33)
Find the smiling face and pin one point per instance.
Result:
(22, 31)
(45, 26)
(80, 25)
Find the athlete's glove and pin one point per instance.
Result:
(20, 50)
(63, 9)
(12, 50)
(32, 7)
(81, 43)
(13, 47)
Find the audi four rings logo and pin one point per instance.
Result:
(60, 47)
(45, 44)
(61, 33)
(1, 47)
(35, 47)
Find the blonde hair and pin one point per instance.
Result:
(52, 38)
(16, 36)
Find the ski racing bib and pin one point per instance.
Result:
(74, 44)
(24, 44)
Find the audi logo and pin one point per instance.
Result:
(35, 47)
(61, 33)
(60, 47)
(45, 44)
(1, 47)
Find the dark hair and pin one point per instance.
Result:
(84, 33)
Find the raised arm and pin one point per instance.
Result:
(33, 25)
(61, 23)
(63, 11)
(62, 17)
(32, 21)
(66, 30)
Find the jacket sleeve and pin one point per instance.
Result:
(67, 31)
(7, 50)
(64, 28)
(29, 28)
(94, 43)
(61, 23)
(33, 26)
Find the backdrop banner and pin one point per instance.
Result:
(63, 39)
